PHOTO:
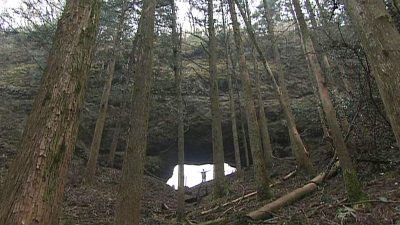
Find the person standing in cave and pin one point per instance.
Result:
(203, 176)
(203, 180)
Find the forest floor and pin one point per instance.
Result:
(327, 205)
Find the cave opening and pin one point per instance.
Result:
(193, 174)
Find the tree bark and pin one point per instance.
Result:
(353, 186)
(323, 56)
(265, 138)
(295, 138)
(301, 154)
(130, 190)
(101, 119)
(260, 168)
(244, 137)
(33, 190)
(218, 146)
(117, 130)
(315, 89)
(232, 107)
(114, 143)
(180, 211)
(241, 114)
(235, 135)
(381, 42)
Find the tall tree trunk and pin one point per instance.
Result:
(265, 138)
(245, 144)
(130, 191)
(260, 168)
(315, 89)
(232, 107)
(381, 42)
(114, 142)
(268, 15)
(218, 146)
(235, 87)
(296, 141)
(180, 117)
(33, 190)
(235, 135)
(101, 119)
(323, 56)
(301, 154)
(122, 116)
(353, 186)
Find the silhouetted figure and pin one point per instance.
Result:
(203, 176)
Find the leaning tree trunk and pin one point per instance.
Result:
(232, 107)
(321, 53)
(353, 186)
(33, 191)
(301, 154)
(101, 119)
(295, 138)
(130, 190)
(265, 138)
(263, 123)
(268, 15)
(180, 211)
(315, 89)
(218, 147)
(381, 42)
(323, 56)
(260, 168)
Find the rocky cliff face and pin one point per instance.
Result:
(20, 78)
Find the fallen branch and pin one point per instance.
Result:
(164, 206)
(291, 197)
(291, 174)
(251, 194)
(219, 221)
(231, 202)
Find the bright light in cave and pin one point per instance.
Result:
(193, 174)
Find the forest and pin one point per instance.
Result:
(101, 100)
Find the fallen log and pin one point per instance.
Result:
(291, 197)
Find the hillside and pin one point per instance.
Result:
(101, 100)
